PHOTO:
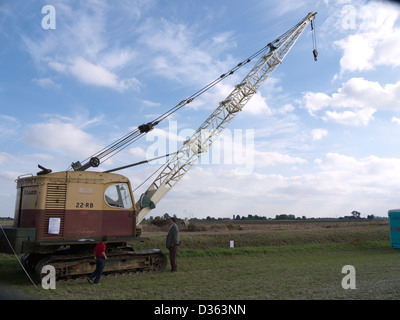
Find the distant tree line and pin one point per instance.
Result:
(249, 217)
(353, 216)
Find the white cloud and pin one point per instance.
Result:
(358, 118)
(257, 106)
(82, 47)
(90, 73)
(356, 93)
(358, 53)
(117, 58)
(372, 172)
(396, 120)
(93, 74)
(318, 134)
(62, 137)
(46, 83)
(57, 66)
(174, 51)
(315, 101)
(138, 153)
(266, 159)
(376, 38)
(287, 108)
(355, 102)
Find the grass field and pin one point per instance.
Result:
(271, 260)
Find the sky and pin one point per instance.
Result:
(320, 138)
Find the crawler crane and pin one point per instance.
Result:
(59, 216)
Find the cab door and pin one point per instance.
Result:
(118, 211)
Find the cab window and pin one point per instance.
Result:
(118, 196)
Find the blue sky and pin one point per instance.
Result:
(320, 139)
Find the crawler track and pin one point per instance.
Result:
(120, 260)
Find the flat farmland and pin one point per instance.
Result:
(271, 260)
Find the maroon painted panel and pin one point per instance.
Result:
(27, 219)
(118, 223)
(81, 224)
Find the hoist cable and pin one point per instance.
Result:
(119, 145)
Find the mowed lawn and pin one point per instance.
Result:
(276, 266)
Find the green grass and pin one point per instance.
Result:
(263, 265)
(291, 272)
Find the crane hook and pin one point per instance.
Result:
(315, 53)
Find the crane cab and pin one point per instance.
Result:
(72, 207)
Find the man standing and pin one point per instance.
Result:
(101, 257)
(172, 243)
